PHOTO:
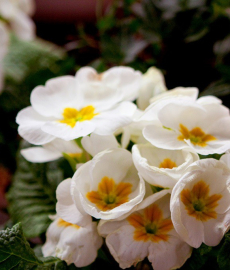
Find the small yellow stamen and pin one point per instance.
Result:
(72, 116)
(197, 136)
(167, 163)
(109, 195)
(151, 226)
(63, 223)
(198, 203)
(74, 155)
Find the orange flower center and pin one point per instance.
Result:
(167, 163)
(109, 195)
(198, 203)
(72, 116)
(197, 136)
(151, 226)
(63, 223)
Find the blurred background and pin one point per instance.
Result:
(189, 40)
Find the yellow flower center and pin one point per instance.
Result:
(151, 226)
(197, 136)
(109, 195)
(167, 163)
(198, 203)
(72, 116)
(63, 223)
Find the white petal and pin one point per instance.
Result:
(40, 154)
(175, 250)
(30, 123)
(125, 250)
(58, 94)
(94, 143)
(66, 208)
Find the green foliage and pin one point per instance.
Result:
(32, 195)
(15, 253)
(223, 258)
(199, 258)
(15, 250)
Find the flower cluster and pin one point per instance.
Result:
(161, 199)
(15, 16)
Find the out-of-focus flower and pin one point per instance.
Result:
(161, 167)
(205, 127)
(200, 203)
(65, 108)
(51, 151)
(153, 84)
(147, 232)
(107, 186)
(122, 82)
(15, 14)
(72, 243)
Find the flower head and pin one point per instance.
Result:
(72, 243)
(200, 203)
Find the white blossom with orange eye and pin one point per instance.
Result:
(147, 232)
(107, 186)
(72, 243)
(52, 151)
(65, 109)
(200, 203)
(203, 127)
(161, 167)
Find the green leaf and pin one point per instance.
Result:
(15, 250)
(32, 195)
(198, 258)
(223, 257)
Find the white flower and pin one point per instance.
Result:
(51, 151)
(107, 186)
(63, 109)
(147, 232)
(161, 167)
(123, 81)
(72, 243)
(152, 84)
(205, 127)
(200, 203)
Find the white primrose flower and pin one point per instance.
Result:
(124, 81)
(161, 167)
(52, 151)
(147, 232)
(200, 203)
(16, 13)
(205, 127)
(72, 243)
(152, 84)
(105, 187)
(63, 109)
